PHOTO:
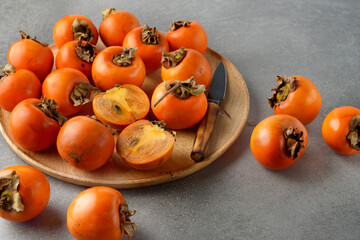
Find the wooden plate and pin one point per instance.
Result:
(232, 117)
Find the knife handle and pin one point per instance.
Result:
(203, 133)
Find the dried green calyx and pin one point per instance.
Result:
(354, 134)
(126, 225)
(161, 124)
(82, 29)
(293, 140)
(81, 93)
(49, 106)
(10, 199)
(124, 59)
(107, 12)
(150, 36)
(182, 89)
(25, 36)
(178, 24)
(85, 51)
(285, 85)
(172, 59)
(7, 70)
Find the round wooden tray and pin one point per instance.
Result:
(232, 117)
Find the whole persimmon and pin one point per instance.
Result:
(278, 141)
(118, 65)
(183, 64)
(341, 130)
(31, 54)
(150, 44)
(17, 86)
(115, 25)
(189, 34)
(296, 96)
(25, 192)
(100, 213)
(145, 145)
(74, 27)
(180, 104)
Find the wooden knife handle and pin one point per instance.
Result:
(203, 133)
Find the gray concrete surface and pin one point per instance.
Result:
(234, 197)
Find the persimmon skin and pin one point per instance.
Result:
(158, 150)
(178, 113)
(193, 64)
(94, 214)
(85, 143)
(304, 103)
(18, 86)
(267, 141)
(34, 189)
(67, 58)
(31, 55)
(63, 33)
(335, 128)
(31, 128)
(58, 86)
(114, 27)
(150, 54)
(107, 74)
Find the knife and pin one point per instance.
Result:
(206, 126)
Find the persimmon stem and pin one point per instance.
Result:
(285, 85)
(86, 52)
(26, 36)
(150, 36)
(49, 106)
(293, 139)
(178, 24)
(171, 90)
(354, 133)
(107, 12)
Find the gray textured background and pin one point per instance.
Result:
(234, 197)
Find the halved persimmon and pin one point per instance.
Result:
(145, 145)
(121, 105)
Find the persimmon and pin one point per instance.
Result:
(115, 25)
(150, 44)
(100, 213)
(122, 105)
(29, 53)
(85, 143)
(24, 191)
(35, 124)
(72, 27)
(278, 141)
(180, 104)
(296, 96)
(183, 64)
(145, 145)
(118, 65)
(341, 130)
(17, 86)
(77, 54)
(70, 88)
(189, 34)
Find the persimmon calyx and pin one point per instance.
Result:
(82, 29)
(125, 59)
(49, 106)
(178, 24)
(285, 85)
(172, 59)
(7, 70)
(10, 199)
(81, 93)
(26, 36)
(293, 141)
(354, 134)
(150, 36)
(162, 126)
(86, 51)
(182, 89)
(126, 225)
(107, 12)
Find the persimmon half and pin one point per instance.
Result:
(296, 96)
(189, 34)
(144, 145)
(183, 64)
(120, 106)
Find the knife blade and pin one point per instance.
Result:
(216, 94)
